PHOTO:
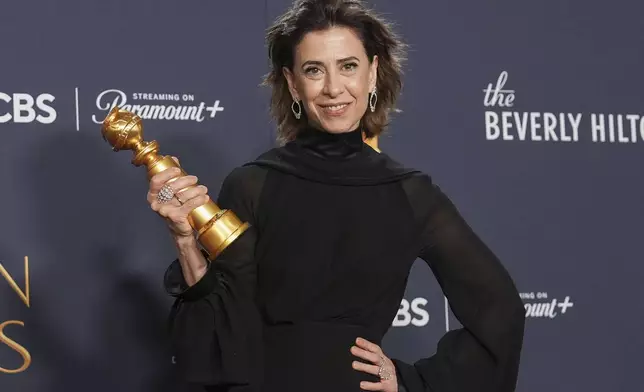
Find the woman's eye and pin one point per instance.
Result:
(312, 71)
(350, 66)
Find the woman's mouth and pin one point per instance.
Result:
(335, 110)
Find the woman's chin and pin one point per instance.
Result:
(339, 126)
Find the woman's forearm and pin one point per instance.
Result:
(193, 263)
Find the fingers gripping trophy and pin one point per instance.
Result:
(216, 228)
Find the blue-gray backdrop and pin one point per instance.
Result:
(527, 114)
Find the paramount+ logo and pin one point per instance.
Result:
(24, 108)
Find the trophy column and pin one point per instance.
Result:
(216, 228)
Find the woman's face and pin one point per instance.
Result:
(332, 77)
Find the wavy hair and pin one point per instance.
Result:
(376, 35)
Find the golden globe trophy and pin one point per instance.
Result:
(216, 228)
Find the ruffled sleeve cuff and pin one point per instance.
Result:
(409, 379)
(176, 286)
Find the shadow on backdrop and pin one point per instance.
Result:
(103, 319)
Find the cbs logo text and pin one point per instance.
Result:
(411, 313)
(24, 108)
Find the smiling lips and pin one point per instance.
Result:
(335, 110)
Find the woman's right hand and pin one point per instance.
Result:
(174, 212)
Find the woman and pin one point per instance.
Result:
(302, 300)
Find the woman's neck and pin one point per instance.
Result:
(331, 145)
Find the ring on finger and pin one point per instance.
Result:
(166, 193)
(384, 374)
(176, 196)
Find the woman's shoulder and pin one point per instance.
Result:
(418, 184)
(245, 180)
(244, 174)
(251, 173)
(414, 178)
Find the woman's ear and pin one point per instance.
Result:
(373, 73)
(290, 79)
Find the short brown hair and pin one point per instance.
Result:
(313, 15)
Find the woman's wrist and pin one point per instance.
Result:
(193, 263)
(184, 243)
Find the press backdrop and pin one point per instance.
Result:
(528, 114)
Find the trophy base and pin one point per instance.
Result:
(221, 232)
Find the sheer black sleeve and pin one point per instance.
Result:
(214, 324)
(484, 354)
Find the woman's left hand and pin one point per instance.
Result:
(382, 366)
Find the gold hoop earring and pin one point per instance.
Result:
(296, 108)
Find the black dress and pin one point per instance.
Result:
(336, 227)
